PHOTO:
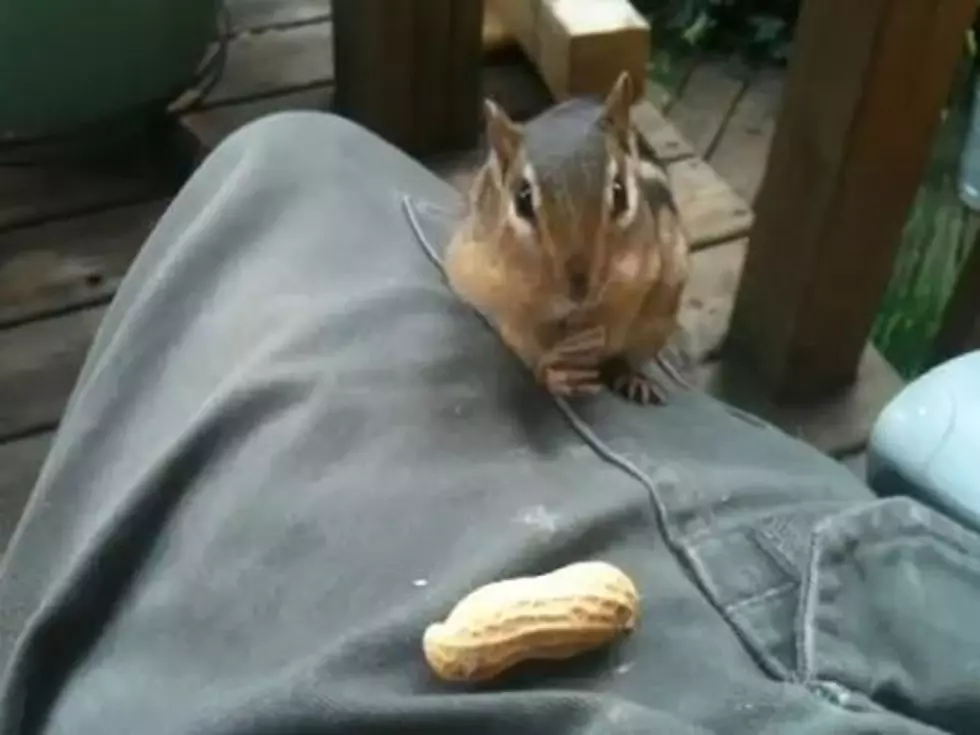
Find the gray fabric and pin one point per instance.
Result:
(291, 449)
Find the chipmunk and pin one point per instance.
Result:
(573, 245)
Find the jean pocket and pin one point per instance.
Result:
(880, 599)
(890, 608)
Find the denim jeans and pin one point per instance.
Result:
(291, 448)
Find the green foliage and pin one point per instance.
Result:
(936, 242)
(758, 30)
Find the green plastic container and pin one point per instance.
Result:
(64, 63)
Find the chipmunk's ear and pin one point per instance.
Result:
(503, 135)
(618, 104)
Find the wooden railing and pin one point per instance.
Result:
(862, 104)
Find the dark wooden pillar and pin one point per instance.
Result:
(410, 70)
(862, 103)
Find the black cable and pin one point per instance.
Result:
(208, 74)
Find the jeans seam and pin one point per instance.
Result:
(765, 542)
(777, 591)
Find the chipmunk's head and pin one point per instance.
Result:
(561, 192)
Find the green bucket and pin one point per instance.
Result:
(68, 63)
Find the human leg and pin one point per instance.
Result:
(291, 448)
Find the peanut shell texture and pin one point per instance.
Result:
(558, 615)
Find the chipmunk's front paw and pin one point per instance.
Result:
(571, 368)
(632, 384)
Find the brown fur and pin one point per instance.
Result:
(635, 274)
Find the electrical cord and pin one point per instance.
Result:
(208, 74)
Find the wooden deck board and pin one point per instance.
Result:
(211, 126)
(253, 15)
(840, 424)
(742, 151)
(37, 193)
(39, 362)
(66, 264)
(20, 463)
(708, 97)
(275, 61)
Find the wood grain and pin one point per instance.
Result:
(410, 71)
(20, 464)
(275, 62)
(257, 15)
(743, 148)
(66, 264)
(705, 103)
(712, 212)
(39, 362)
(833, 425)
(841, 175)
(708, 298)
(213, 125)
(658, 134)
(68, 187)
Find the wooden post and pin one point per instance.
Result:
(863, 100)
(959, 330)
(410, 70)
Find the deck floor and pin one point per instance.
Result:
(68, 236)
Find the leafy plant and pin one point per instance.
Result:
(759, 30)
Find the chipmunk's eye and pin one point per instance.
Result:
(524, 201)
(619, 199)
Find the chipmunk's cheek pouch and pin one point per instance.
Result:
(627, 266)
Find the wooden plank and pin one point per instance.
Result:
(580, 46)
(511, 82)
(667, 75)
(211, 126)
(20, 464)
(707, 302)
(832, 424)
(708, 98)
(275, 62)
(658, 134)
(840, 423)
(281, 62)
(39, 362)
(257, 15)
(410, 71)
(64, 188)
(710, 210)
(741, 154)
(959, 330)
(65, 264)
(843, 170)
